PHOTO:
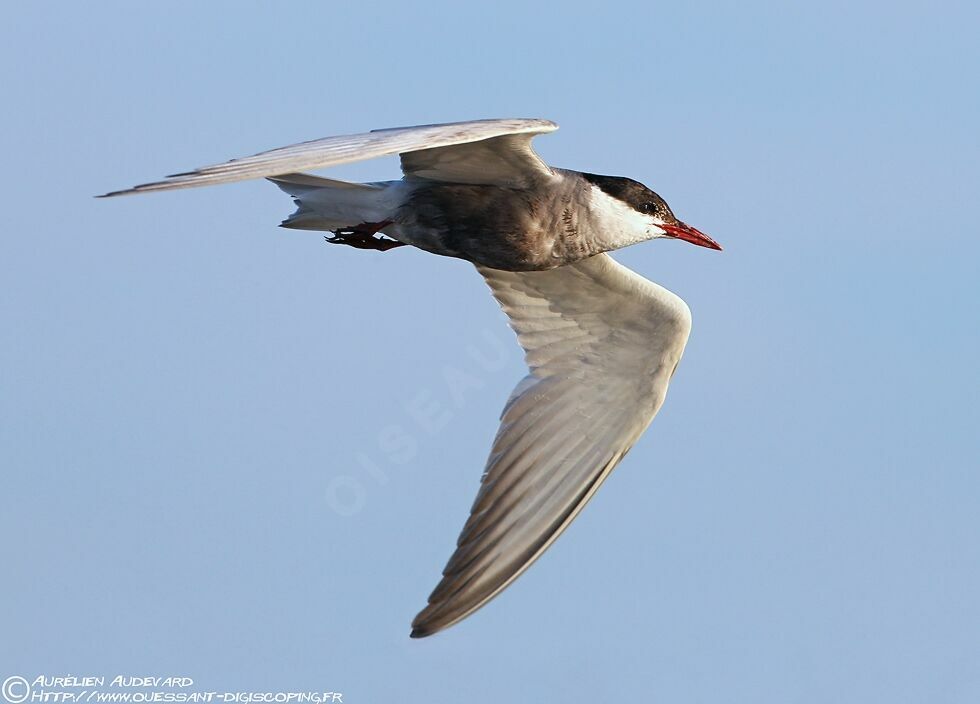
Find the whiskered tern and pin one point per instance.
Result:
(601, 341)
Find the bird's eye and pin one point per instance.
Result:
(648, 208)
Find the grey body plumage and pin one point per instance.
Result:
(515, 229)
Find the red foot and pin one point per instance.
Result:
(363, 237)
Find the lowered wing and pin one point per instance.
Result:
(602, 343)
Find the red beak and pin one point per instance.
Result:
(683, 231)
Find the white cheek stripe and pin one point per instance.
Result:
(618, 224)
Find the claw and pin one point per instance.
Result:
(363, 237)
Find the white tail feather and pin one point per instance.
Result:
(328, 204)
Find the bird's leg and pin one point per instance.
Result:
(363, 237)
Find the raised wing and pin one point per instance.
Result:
(500, 161)
(331, 151)
(602, 343)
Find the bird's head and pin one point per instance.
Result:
(644, 212)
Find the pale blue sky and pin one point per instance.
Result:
(183, 385)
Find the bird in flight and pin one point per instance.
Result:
(601, 342)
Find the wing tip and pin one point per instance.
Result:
(124, 192)
(121, 192)
(434, 618)
(141, 188)
(423, 624)
(427, 625)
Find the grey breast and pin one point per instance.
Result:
(514, 229)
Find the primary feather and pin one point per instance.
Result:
(602, 343)
(345, 149)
